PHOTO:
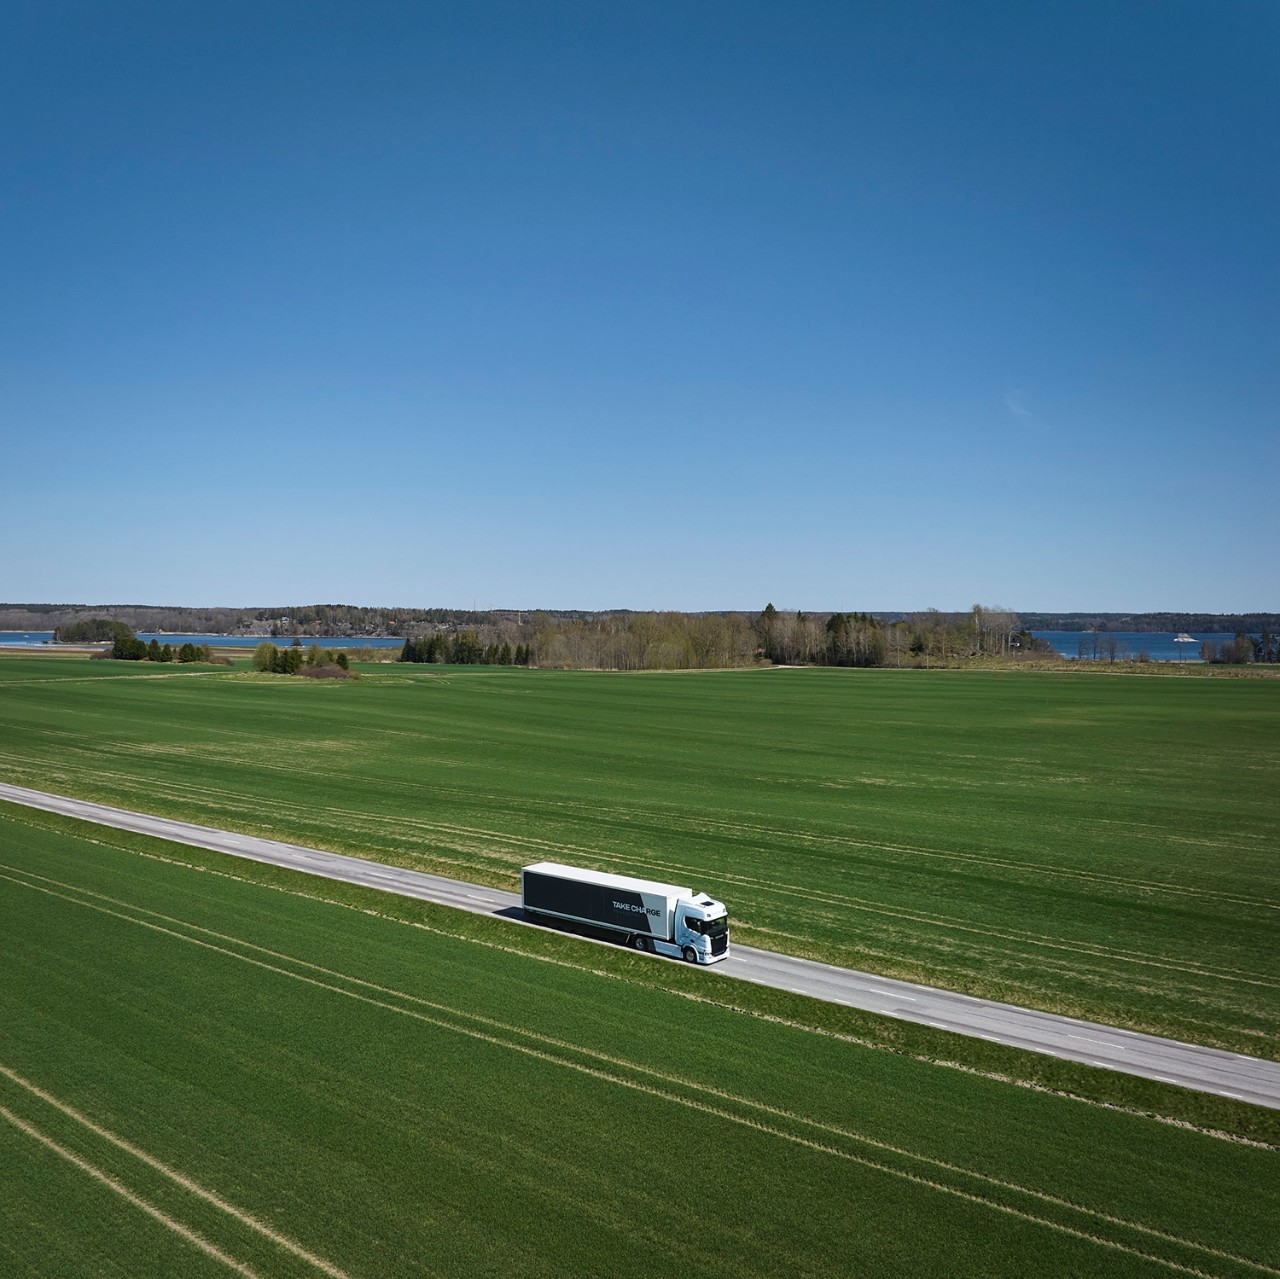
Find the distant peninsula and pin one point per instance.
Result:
(349, 621)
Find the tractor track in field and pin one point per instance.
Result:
(1234, 1075)
(506, 851)
(999, 1194)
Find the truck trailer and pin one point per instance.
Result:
(661, 918)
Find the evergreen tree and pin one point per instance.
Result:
(466, 649)
(128, 648)
(767, 629)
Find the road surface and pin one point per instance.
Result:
(1210, 1070)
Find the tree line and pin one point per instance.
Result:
(348, 620)
(129, 648)
(635, 641)
(465, 649)
(918, 639)
(632, 641)
(276, 622)
(601, 641)
(1241, 649)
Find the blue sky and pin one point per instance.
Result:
(695, 306)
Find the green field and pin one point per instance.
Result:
(1105, 847)
(198, 1072)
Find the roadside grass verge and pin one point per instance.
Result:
(314, 1088)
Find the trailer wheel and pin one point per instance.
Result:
(690, 955)
(640, 942)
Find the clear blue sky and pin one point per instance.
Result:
(691, 305)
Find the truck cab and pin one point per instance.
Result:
(702, 927)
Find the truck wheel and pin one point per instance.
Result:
(690, 955)
(639, 942)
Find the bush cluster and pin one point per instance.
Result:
(129, 648)
(315, 661)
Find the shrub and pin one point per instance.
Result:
(265, 656)
(128, 648)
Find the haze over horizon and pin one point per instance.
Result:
(661, 306)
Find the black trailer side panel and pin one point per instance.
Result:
(612, 907)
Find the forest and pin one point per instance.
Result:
(699, 641)
(628, 640)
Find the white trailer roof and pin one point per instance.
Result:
(606, 880)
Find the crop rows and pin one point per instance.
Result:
(1100, 847)
(199, 1075)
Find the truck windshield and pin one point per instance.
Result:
(710, 927)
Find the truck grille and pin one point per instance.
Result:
(720, 944)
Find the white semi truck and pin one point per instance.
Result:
(648, 916)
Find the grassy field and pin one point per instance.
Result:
(198, 1072)
(1100, 846)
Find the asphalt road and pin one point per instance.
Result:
(1210, 1070)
